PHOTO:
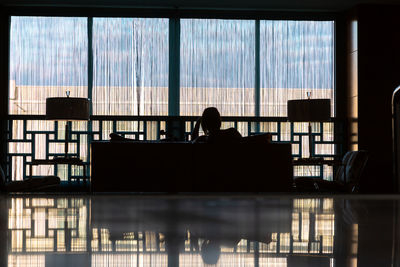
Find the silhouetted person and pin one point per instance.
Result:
(211, 249)
(211, 124)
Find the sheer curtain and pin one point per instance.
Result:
(296, 57)
(130, 66)
(217, 66)
(48, 56)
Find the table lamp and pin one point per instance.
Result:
(309, 110)
(67, 109)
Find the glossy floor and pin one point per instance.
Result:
(131, 230)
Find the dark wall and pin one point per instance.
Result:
(377, 55)
(3, 82)
(352, 79)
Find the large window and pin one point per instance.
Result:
(296, 57)
(130, 59)
(130, 64)
(48, 56)
(128, 67)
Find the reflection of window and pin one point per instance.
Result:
(48, 55)
(26, 260)
(38, 226)
(217, 66)
(130, 66)
(47, 225)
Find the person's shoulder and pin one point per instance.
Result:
(230, 135)
(201, 139)
(233, 132)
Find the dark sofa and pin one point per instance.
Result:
(185, 167)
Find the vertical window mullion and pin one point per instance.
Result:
(174, 67)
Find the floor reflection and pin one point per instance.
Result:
(121, 231)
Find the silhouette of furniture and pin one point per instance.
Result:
(67, 109)
(316, 161)
(347, 178)
(309, 110)
(186, 167)
(30, 184)
(59, 160)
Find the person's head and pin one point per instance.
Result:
(210, 252)
(210, 120)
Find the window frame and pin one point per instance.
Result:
(174, 16)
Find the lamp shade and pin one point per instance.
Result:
(308, 110)
(67, 108)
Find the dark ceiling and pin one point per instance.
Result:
(288, 5)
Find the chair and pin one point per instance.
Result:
(31, 184)
(347, 178)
